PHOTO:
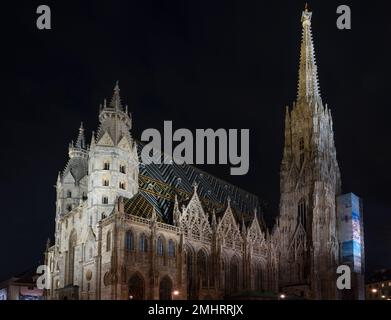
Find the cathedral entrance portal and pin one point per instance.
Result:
(136, 287)
(165, 289)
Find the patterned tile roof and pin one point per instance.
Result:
(159, 183)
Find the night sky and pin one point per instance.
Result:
(202, 64)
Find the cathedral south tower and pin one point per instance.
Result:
(309, 183)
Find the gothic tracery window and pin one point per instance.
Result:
(234, 275)
(171, 248)
(160, 247)
(302, 213)
(129, 240)
(202, 268)
(108, 241)
(143, 243)
(301, 148)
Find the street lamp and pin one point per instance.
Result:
(282, 296)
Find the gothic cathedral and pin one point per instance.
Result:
(128, 230)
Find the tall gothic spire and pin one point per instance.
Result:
(308, 86)
(116, 99)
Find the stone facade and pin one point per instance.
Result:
(120, 235)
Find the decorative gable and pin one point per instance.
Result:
(228, 230)
(124, 144)
(194, 220)
(106, 140)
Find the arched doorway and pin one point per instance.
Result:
(165, 289)
(136, 287)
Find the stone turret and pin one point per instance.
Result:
(113, 160)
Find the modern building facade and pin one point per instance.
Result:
(129, 230)
(351, 242)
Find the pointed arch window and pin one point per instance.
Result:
(69, 194)
(202, 266)
(234, 275)
(301, 144)
(129, 240)
(171, 248)
(302, 213)
(108, 241)
(301, 149)
(106, 182)
(105, 200)
(160, 247)
(122, 168)
(143, 246)
(106, 165)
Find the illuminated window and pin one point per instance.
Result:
(171, 248)
(106, 182)
(143, 243)
(122, 168)
(106, 165)
(160, 247)
(122, 185)
(105, 200)
(129, 240)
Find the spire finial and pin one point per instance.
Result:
(80, 142)
(116, 99)
(306, 7)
